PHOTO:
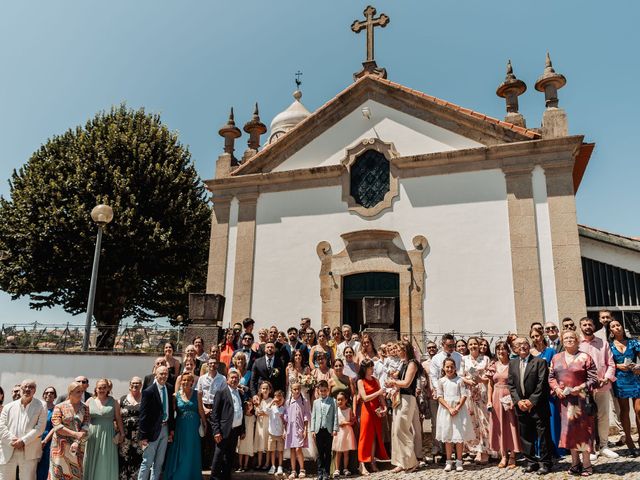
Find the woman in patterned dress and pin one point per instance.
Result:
(474, 375)
(130, 451)
(70, 422)
(572, 375)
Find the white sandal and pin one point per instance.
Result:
(302, 474)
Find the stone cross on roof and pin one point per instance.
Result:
(370, 23)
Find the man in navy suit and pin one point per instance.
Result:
(156, 424)
(270, 368)
(227, 425)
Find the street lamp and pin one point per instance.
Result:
(101, 215)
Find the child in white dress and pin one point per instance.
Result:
(262, 424)
(245, 445)
(345, 440)
(453, 425)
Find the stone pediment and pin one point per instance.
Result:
(424, 122)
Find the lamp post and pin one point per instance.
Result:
(101, 215)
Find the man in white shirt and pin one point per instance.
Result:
(21, 425)
(209, 384)
(347, 334)
(448, 351)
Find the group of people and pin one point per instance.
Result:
(335, 397)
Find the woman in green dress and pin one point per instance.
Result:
(101, 458)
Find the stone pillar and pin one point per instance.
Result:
(527, 290)
(565, 242)
(245, 251)
(218, 245)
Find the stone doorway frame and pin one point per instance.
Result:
(374, 251)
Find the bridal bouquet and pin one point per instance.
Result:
(308, 381)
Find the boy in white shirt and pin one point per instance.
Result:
(275, 444)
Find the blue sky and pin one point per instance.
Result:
(190, 61)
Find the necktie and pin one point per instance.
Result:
(164, 404)
(269, 364)
(523, 365)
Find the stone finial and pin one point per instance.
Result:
(510, 90)
(230, 132)
(255, 128)
(554, 119)
(549, 83)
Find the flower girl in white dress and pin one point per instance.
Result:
(453, 425)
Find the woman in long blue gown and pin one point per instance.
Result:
(540, 349)
(48, 397)
(184, 461)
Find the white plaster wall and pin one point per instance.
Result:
(603, 252)
(545, 246)
(410, 135)
(464, 216)
(58, 370)
(231, 261)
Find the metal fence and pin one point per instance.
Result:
(147, 338)
(68, 337)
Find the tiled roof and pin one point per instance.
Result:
(525, 132)
(521, 130)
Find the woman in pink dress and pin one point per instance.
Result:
(503, 428)
(572, 374)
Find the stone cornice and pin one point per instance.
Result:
(554, 155)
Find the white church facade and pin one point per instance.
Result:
(467, 221)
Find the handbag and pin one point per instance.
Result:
(590, 407)
(201, 430)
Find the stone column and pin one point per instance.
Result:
(245, 251)
(565, 242)
(218, 245)
(527, 290)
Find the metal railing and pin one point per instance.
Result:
(148, 338)
(69, 337)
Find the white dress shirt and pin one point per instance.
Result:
(208, 386)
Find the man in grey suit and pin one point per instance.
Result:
(324, 426)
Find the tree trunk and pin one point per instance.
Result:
(107, 321)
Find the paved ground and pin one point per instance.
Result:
(620, 468)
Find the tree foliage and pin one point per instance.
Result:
(153, 253)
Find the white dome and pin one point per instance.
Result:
(289, 118)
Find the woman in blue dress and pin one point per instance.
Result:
(184, 461)
(48, 397)
(540, 349)
(240, 364)
(627, 385)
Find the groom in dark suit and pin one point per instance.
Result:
(270, 368)
(156, 424)
(529, 387)
(227, 426)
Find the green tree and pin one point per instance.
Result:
(153, 253)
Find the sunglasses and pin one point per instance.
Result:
(550, 329)
(49, 393)
(84, 382)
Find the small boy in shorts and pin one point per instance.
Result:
(275, 443)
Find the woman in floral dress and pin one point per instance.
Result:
(572, 375)
(474, 375)
(70, 422)
(130, 452)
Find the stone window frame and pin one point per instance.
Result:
(389, 152)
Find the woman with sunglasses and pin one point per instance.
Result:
(48, 397)
(130, 451)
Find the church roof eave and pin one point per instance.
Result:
(485, 129)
